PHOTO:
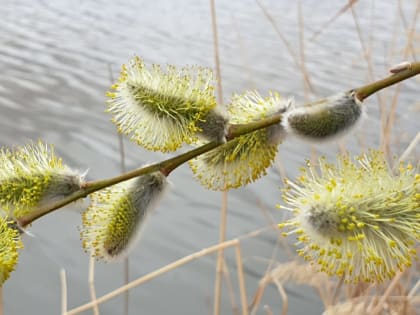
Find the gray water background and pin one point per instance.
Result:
(54, 58)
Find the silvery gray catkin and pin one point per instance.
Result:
(325, 119)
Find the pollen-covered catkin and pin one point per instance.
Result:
(161, 109)
(32, 177)
(10, 243)
(356, 219)
(325, 119)
(112, 223)
(245, 158)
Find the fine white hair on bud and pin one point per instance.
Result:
(356, 219)
(32, 177)
(324, 119)
(245, 158)
(112, 223)
(161, 109)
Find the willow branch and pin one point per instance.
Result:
(235, 130)
(411, 70)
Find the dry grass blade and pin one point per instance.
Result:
(390, 120)
(283, 295)
(306, 82)
(63, 282)
(91, 281)
(241, 279)
(349, 307)
(332, 19)
(289, 48)
(390, 288)
(154, 274)
(410, 148)
(223, 210)
(297, 273)
(368, 58)
(232, 297)
(1, 300)
(126, 262)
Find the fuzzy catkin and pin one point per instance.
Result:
(356, 219)
(112, 223)
(32, 177)
(162, 109)
(328, 118)
(245, 158)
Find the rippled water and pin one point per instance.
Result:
(54, 61)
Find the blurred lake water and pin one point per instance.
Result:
(54, 60)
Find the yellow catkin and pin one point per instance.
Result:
(364, 226)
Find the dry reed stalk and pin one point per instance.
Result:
(337, 291)
(154, 274)
(126, 263)
(368, 58)
(332, 19)
(223, 210)
(406, 28)
(241, 279)
(232, 297)
(307, 86)
(286, 44)
(220, 256)
(392, 112)
(389, 289)
(63, 282)
(350, 307)
(1, 300)
(257, 232)
(91, 280)
(283, 295)
(296, 273)
(414, 289)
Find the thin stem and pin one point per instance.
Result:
(367, 90)
(63, 292)
(1, 300)
(241, 279)
(91, 281)
(223, 210)
(235, 130)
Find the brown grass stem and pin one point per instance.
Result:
(1, 300)
(154, 274)
(91, 280)
(299, 63)
(332, 19)
(232, 297)
(283, 295)
(387, 293)
(220, 256)
(63, 283)
(223, 210)
(241, 279)
(390, 119)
